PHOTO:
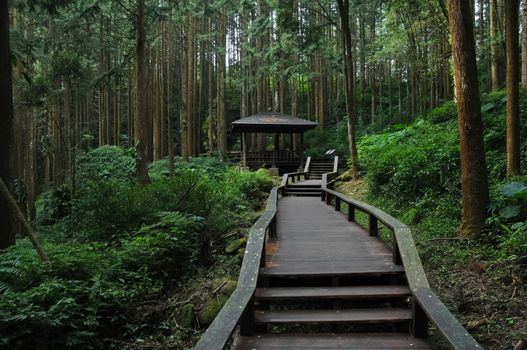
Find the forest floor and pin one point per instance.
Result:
(488, 296)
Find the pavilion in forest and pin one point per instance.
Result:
(286, 155)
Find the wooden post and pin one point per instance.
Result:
(328, 199)
(351, 212)
(419, 321)
(276, 148)
(397, 259)
(247, 320)
(244, 149)
(301, 149)
(337, 204)
(374, 229)
(272, 227)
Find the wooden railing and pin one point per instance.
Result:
(308, 165)
(294, 177)
(426, 306)
(239, 309)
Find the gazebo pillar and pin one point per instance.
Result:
(274, 170)
(301, 151)
(244, 150)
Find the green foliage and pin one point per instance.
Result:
(317, 142)
(117, 245)
(105, 163)
(446, 111)
(419, 161)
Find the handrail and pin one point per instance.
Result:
(239, 307)
(336, 164)
(427, 306)
(293, 176)
(308, 165)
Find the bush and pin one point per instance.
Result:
(105, 163)
(406, 165)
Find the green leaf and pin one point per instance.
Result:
(512, 189)
(517, 225)
(487, 107)
(510, 211)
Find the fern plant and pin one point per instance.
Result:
(16, 267)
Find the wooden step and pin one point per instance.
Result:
(356, 341)
(314, 293)
(337, 268)
(301, 185)
(342, 316)
(303, 194)
(303, 188)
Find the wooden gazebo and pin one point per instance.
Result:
(288, 159)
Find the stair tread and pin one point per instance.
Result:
(314, 194)
(382, 291)
(337, 268)
(376, 315)
(328, 341)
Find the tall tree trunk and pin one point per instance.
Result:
(513, 93)
(220, 81)
(141, 122)
(7, 223)
(494, 45)
(474, 182)
(524, 43)
(343, 6)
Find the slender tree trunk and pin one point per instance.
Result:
(524, 43)
(141, 122)
(494, 45)
(343, 6)
(513, 93)
(7, 223)
(220, 81)
(474, 182)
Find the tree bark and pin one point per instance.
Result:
(474, 181)
(524, 43)
(7, 223)
(141, 122)
(343, 6)
(513, 93)
(494, 45)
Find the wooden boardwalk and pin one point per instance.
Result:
(313, 278)
(317, 268)
(314, 239)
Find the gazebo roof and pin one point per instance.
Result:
(272, 122)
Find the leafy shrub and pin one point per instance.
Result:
(104, 163)
(170, 246)
(446, 111)
(406, 165)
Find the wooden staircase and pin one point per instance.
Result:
(307, 188)
(312, 185)
(319, 167)
(314, 278)
(340, 306)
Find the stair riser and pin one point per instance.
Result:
(324, 281)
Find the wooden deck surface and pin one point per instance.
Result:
(314, 239)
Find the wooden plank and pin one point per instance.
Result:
(356, 292)
(359, 341)
(338, 268)
(445, 322)
(343, 316)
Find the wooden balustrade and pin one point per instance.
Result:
(427, 307)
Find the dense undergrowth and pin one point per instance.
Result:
(413, 172)
(125, 257)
